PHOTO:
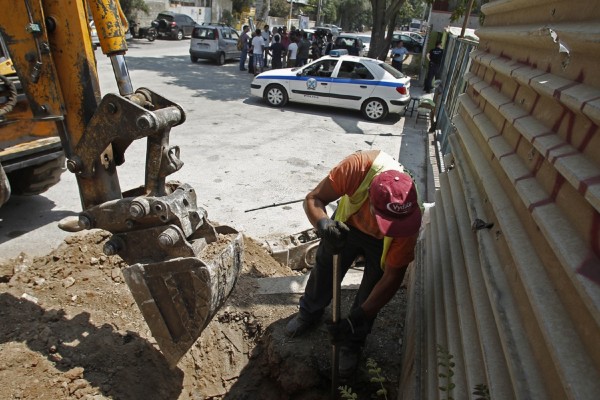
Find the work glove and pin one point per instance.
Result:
(333, 234)
(350, 329)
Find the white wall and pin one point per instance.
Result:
(441, 19)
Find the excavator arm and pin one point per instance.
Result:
(181, 267)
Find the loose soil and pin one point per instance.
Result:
(71, 330)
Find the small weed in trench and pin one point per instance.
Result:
(375, 373)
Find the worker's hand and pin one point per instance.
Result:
(333, 234)
(352, 328)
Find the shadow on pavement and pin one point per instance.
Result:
(23, 214)
(123, 366)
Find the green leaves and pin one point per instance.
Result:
(376, 377)
(346, 393)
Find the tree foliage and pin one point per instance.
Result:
(239, 6)
(129, 7)
(279, 8)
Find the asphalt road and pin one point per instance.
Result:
(239, 153)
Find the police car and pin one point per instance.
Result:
(339, 80)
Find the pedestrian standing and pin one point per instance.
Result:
(328, 45)
(378, 217)
(244, 38)
(292, 53)
(258, 48)
(315, 51)
(276, 52)
(285, 42)
(399, 54)
(266, 35)
(303, 50)
(434, 56)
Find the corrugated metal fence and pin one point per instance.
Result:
(507, 275)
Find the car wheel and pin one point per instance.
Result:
(276, 95)
(221, 59)
(194, 59)
(374, 109)
(179, 35)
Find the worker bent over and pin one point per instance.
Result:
(378, 217)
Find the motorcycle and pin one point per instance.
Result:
(149, 33)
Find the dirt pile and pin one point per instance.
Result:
(71, 330)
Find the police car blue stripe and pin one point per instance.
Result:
(333, 80)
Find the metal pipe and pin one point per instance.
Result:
(335, 318)
(121, 74)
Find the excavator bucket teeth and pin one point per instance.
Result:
(178, 297)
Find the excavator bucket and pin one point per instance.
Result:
(181, 268)
(179, 297)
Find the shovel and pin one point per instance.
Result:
(335, 317)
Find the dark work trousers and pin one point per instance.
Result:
(319, 288)
(431, 73)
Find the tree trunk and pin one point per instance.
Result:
(384, 19)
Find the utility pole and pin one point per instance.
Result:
(320, 4)
(290, 19)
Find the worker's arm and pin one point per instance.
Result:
(384, 290)
(317, 199)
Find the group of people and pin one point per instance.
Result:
(280, 48)
(295, 48)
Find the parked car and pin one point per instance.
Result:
(94, 34)
(325, 30)
(214, 42)
(335, 30)
(349, 42)
(359, 83)
(366, 39)
(174, 26)
(411, 44)
(416, 36)
(96, 40)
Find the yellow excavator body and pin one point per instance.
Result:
(181, 267)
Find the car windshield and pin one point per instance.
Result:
(366, 39)
(391, 70)
(165, 16)
(203, 33)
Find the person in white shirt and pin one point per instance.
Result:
(266, 34)
(292, 52)
(258, 45)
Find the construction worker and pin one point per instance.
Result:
(378, 218)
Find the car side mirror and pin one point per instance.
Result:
(299, 73)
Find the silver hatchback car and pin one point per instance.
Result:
(214, 42)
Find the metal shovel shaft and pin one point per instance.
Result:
(335, 317)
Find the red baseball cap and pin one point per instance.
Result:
(394, 199)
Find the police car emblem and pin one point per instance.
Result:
(311, 84)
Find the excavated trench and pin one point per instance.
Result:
(72, 330)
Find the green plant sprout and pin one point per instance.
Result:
(482, 391)
(446, 371)
(376, 377)
(347, 394)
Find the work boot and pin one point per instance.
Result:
(299, 325)
(348, 361)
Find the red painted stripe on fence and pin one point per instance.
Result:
(588, 137)
(557, 92)
(541, 135)
(587, 101)
(540, 203)
(590, 268)
(586, 183)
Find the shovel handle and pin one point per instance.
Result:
(335, 317)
